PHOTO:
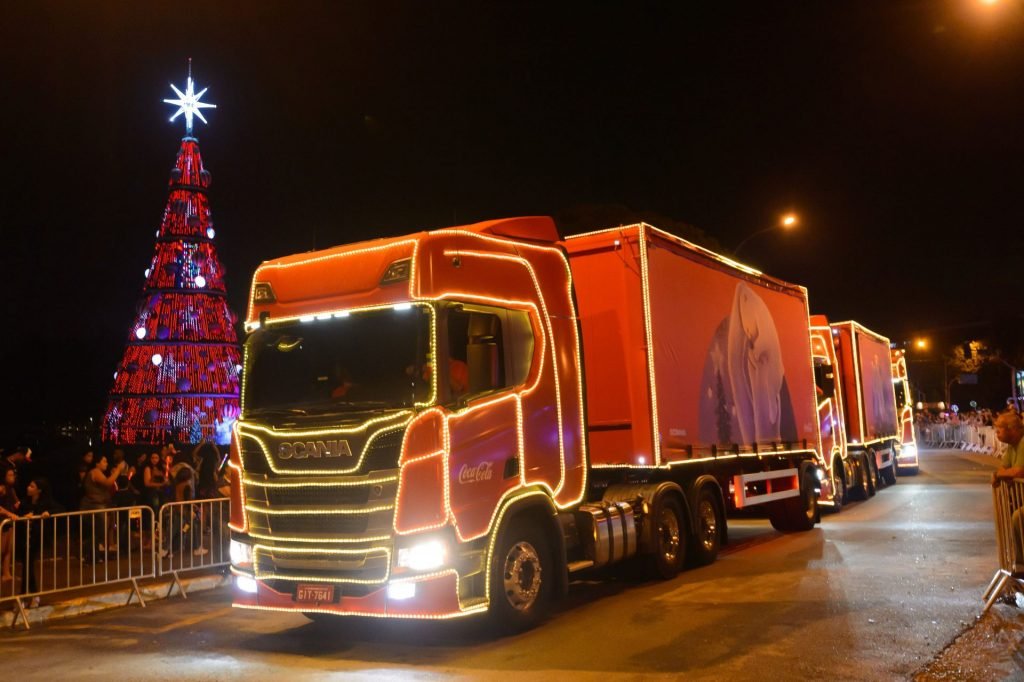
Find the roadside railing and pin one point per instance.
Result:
(1008, 508)
(197, 538)
(962, 437)
(75, 551)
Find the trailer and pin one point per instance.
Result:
(454, 422)
(869, 400)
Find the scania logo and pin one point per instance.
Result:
(481, 472)
(320, 448)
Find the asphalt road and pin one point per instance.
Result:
(873, 593)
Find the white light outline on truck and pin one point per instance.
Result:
(412, 616)
(322, 257)
(571, 307)
(545, 316)
(825, 335)
(348, 312)
(274, 575)
(396, 424)
(648, 330)
(854, 327)
(679, 240)
(320, 484)
(642, 230)
(336, 511)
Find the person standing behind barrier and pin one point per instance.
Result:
(208, 459)
(8, 510)
(40, 505)
(154, 480)
(1010, 430)
(98, 489)
(182, 520)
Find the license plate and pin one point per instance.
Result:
(314, 594)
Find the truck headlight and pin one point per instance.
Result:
(909, 452)
(241, 554)
(246, 584)
(423, 556)
(401, 591)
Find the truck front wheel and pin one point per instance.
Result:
(521, 577)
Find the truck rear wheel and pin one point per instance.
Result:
(889, 474)
(521, 577)
(839, 490)
(707, 537)
(860, 470)
(669, 539)
(796, 514)
(872, 469)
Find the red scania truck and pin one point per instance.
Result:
(861, 439)
(453, 422)
(906, 457)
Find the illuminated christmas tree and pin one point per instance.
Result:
(179, 377)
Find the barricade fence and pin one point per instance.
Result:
(962, 437)
(1008, 508)
(198, 537)
(74, 551)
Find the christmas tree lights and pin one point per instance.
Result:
(178, 379)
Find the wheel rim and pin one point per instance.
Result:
(838, 490)
(668, 535)
(708, 525)
(522, 576)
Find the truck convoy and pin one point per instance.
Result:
(452, 422)
(857, 409)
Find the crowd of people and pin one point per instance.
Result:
(101, 481)
(983, 417)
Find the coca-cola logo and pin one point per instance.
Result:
(474, 474)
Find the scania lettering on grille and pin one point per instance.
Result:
(318, 449)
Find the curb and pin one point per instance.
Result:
(79, 606)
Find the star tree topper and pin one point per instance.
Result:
(188, 102)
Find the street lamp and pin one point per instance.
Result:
(921, 344)
(786, 222)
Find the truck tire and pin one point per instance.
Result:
(669, 541)
(860, 471)
(796, 514)
(707, 535)
(872, 469)
(889, 474)
(522, 577)
(840, 491)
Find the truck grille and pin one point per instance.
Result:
(364, 567)
(312, 526)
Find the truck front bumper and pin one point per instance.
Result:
(431, 596)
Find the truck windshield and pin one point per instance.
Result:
(901, 396)
(363, 361)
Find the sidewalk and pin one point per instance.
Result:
(81, 602)
(991, 648)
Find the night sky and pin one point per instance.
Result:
(893, 128)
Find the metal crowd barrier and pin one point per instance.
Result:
(967, 437)
(193, 535)
(81, 550)
(1008, 506)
